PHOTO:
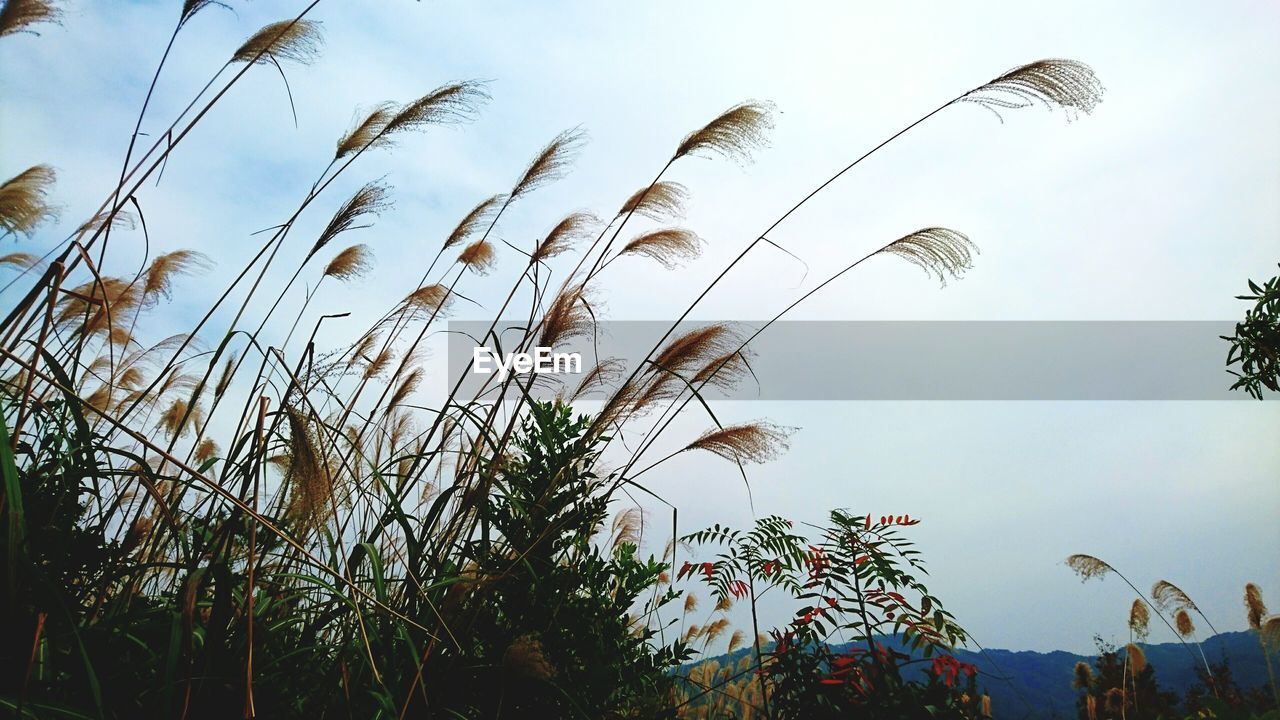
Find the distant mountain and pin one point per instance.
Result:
(1037, 686)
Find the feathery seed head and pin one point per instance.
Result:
(1067, 84)
(224, 380)
(428, 298)
(724, 371)
(296, 40)
(119, 219)
(351, 263)
(715, 630)
(662, 200)
(19, 15)
(448, 104)
(165, 268)
(627, 526)
(938, 251)
(551, 164)
(734, 134)
(669, 246)
(472, 221)
(206, 450)
(1082, 676)
(1137, 658)
(1088, 566)
(406, 388)
(1168, 596)
(173, 418)
(1270, 631)
(572, 228)
(568, 316)
(479, 257)
(371, 199)
(23, 198)
(22, 260)
(310, 482)
(365, 131)
(191, 7)
(1182, 623)
(1255, 609)
(376, 365)
(600, 376)
(756, 442)
(363, 348)
(1139, 619)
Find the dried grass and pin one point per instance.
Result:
(1088, 566)
(734, 134)
(370, 199)
(296, 40)
(574, 227)
(1139, 619)
(19, 15)
(1254, 608)
(166, 268)
(669, 246)
(938, 251)
(472, 221)
(663, 200)
(551, 164)
(364, 131)
(24, 200)
(1182, 623)
(351, 263)
(1066, 84)
(756, 442)
(478, 257)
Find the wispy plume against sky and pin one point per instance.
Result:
(1158, 206)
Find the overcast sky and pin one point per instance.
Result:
(1157, 207)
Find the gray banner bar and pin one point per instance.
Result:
(895, 360)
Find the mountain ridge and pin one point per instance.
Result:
(1034, 685)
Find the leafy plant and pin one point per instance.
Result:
(1255, 347)
(859, 582)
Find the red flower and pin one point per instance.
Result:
(947, 669)
(844, 661)
(816, 560)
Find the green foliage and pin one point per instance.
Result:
(546, 610)
(1255, 347)
(537, 616)
(859, 580)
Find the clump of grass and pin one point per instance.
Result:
(231, 525)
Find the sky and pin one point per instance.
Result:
(1158, 206)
